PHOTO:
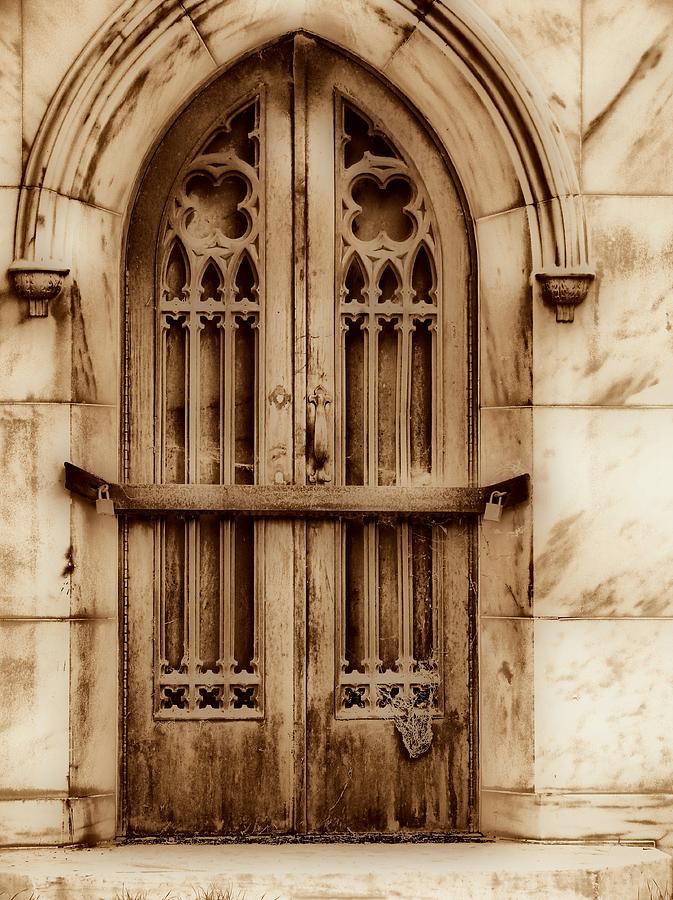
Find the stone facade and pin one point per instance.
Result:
(576, 588)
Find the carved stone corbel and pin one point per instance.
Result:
(565, 289)
(38, 281)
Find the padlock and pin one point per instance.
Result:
(104, 503)
(493, 509)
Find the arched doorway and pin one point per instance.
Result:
(298, 314)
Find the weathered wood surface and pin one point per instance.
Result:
(210, 776)
(359, 777)
(295, 501)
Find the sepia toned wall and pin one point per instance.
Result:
(576, 589)
(595, 639)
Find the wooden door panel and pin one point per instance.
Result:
(360, 777)
(404, 373)
(209, 725)
(209, 777)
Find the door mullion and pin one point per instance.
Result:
(299, 166)
(192, 407)
(191, 601)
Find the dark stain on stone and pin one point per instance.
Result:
(607, 598)
(625, 388)
(556, 29)
(561, 545)
(506, 672)
(510, 589)
(652, 137)
(600, 600)
(69, 567)
(595, 362)
(648, 61)
(405, 31)
(18, 672)
(510, 371)
(658, 603)
(86, 835)
(623, 251)
(59, 310)
(423, 7)
(83, 695)
(83, 377)
(20, 437)
(112, 127)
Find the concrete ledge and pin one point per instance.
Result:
(33, 821)
(345, 871)
(39, 821)
(563, 816)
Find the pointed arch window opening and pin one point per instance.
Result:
(387, 323)
(209, 657)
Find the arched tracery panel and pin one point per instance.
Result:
(388, 319)
(209, 321)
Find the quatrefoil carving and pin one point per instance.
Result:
(216, 206)
(383, 209)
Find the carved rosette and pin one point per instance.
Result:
(38, 281)
(565, 289)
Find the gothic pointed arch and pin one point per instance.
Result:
(108, 111)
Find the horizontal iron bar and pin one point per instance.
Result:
(294, 501)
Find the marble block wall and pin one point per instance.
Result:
(576, 589)
(58, 402)
(579, 654)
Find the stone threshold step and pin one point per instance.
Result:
(505, 870)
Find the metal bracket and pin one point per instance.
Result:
(290, 501)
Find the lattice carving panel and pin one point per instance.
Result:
(387, 322)
(210, 321)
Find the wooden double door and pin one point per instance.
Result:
(296, 326)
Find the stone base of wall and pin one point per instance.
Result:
(44, 821)
(574, 816)
(461, 871)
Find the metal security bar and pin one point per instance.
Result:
(295, 501)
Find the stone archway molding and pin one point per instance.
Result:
(151, 56)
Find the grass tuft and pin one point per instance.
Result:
(140, 895)
(211, 893)
(218, 894)
(127, 895)
(199, 893)
(656, 893)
